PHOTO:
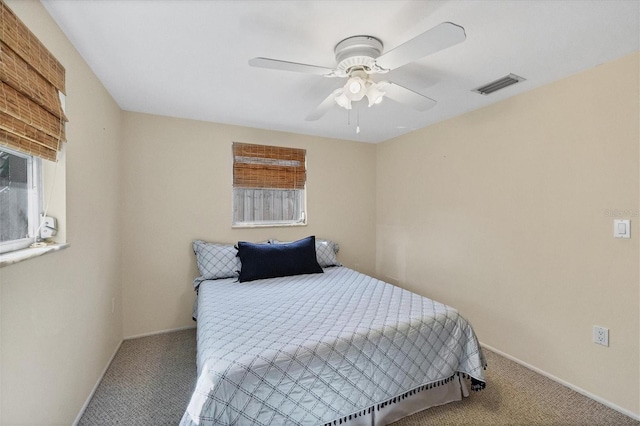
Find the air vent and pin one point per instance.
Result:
(500, 83)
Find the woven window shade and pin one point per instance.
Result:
(31, 115)
(262, 166)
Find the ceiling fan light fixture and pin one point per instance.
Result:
(374, 95)
(342, 99)
(356, 88)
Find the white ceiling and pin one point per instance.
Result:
(188, 59)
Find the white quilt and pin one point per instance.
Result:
(313, 349)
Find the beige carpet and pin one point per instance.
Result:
(150, 381)
(516, 395)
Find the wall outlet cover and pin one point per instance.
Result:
(600, 335)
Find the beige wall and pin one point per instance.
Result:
(177, 188)
(57, 330)
(505, 213)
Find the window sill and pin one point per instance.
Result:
(17, 256)
(267, 225)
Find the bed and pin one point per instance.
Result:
(334, 347)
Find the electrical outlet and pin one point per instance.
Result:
(601, 335)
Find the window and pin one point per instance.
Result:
(20, 198)
(268, 185)
(32, 127)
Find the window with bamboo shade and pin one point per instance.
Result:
(32, 128)
(268, 185)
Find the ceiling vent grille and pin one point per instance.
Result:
(498, 84)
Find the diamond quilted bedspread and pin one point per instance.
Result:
(311, 349)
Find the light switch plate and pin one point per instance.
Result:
(622, 228)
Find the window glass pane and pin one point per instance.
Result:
(251, 205)
(14, 197)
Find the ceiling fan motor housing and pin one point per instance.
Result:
(358, 52)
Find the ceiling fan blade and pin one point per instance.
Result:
(322, 109)
(289, 66)
(408, 97)
(437, 38)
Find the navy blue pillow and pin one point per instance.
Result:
(278, 260)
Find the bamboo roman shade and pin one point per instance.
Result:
(31, 115)
(262, 166)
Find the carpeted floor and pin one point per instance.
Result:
(150, 381)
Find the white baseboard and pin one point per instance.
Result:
(565, 383)
(95, 387)
(153, 333)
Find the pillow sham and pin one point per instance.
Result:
(216, 260)
(326, 251)
(260, 261)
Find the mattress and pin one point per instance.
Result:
(321, 348)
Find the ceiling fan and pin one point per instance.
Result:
(359, 57)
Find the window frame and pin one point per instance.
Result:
(269, 176)
(34, 202)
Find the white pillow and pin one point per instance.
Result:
(216, 260)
